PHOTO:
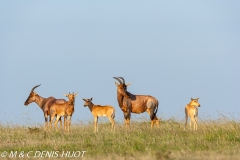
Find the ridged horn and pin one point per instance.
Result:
(122, 79)
(118, 80)
(35, 87)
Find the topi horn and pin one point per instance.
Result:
(122, 79)
(35, 87)
(118, 80)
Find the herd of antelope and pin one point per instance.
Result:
(129, 103)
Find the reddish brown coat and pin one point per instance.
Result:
(130, 103)
(43, 103)
(65, 109)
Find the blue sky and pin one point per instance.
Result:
(172, 50)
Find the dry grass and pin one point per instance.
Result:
(214, 140)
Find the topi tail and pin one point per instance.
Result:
(113, 114)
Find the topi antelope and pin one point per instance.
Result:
(100, 111)
(43, 103)
(191, 111)
(130, 103)
(65, 109)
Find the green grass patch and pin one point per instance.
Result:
(170, 141)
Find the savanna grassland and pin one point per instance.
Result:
(214, 140)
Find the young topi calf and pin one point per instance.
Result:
(191, 111)
(65, 109)
(100, 111)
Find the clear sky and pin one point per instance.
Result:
(172, 50)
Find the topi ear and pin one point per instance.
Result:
(84, 99)
(91, 99)
(75, 95)
(191, 98)
(128, 84)
(116, 84)
(65, 94)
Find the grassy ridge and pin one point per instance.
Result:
(213, 140)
